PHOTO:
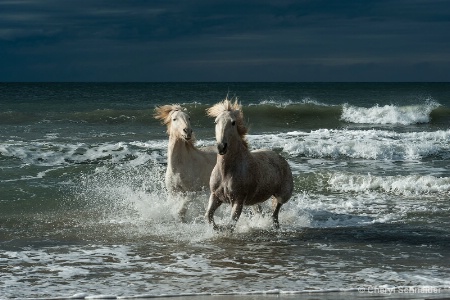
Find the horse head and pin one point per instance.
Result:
(229, 124)
(177, 121)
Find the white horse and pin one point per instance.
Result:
(241, 177)
(188, 168)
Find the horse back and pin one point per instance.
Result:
(272, 175)
(270, 163)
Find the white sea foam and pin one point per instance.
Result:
(403, 185)
(389, 114)
(366, 144)
(307, 210)
(54, 154)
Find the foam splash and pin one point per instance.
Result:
(134, 200)
(122, 190)
(389, 114)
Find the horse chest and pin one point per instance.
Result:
(232, 180)
(180, 181)
(230, 189)
(222, 191)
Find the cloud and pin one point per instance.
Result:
(167, 40)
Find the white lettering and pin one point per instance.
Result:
(401, 290)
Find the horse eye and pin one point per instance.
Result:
(174, 119)
(233, 123)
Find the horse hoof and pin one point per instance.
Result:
(276, 225)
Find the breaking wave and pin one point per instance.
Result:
(389, 114)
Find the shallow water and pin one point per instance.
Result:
(84, 210)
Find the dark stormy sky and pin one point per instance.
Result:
(215, 40)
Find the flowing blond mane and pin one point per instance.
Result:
(162, 113)
(236, 109)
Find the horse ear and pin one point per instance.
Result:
(237, 114)
(236, 105)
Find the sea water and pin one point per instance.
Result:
(84, 211)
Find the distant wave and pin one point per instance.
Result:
(98, 116)
(389, 114)
(306, 113)
(111, 116)
(309, 113)
(284, 104)
(321, 115)
(16, 117)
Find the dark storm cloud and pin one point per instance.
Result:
(317, 40)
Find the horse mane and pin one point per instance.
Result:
(236, 109)
(163, 113)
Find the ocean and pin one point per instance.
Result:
(84, 212)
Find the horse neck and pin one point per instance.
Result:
(236, 153)
(178, 151)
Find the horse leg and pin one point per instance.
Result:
(180, 203)
(213, 204)
(183, 208)
(236, 211)
(276, 205)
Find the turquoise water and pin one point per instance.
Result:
(83, 207)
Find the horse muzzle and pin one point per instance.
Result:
(222, 148)
(187, 133)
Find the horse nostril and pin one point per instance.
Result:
(188, 133)
(222, 148)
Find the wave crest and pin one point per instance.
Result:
(389, 114)
(289, 102)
